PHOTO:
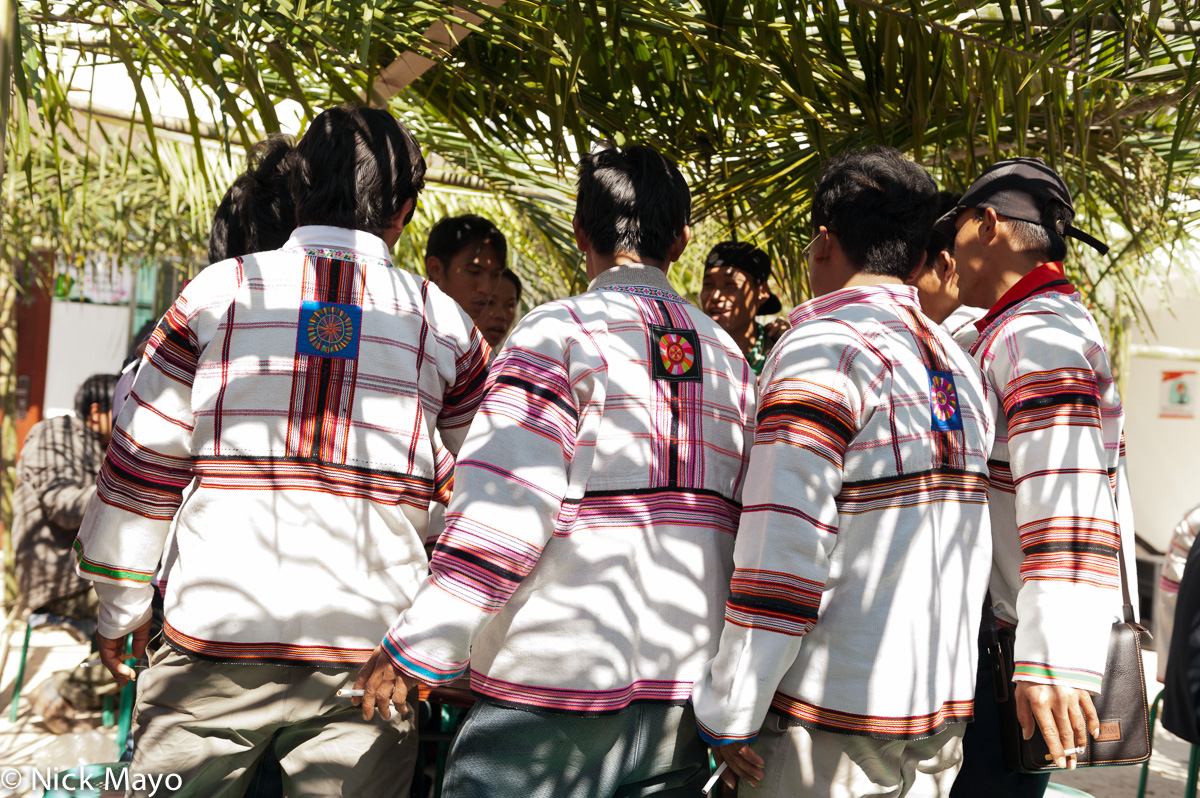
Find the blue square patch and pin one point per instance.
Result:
(943, 402)
(328, 329)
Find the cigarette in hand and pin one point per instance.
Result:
(350, 693)
(1069, 752)
(713, 779)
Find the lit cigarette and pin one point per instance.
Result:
(350, 693)
(713, 779)
(90, 663)
(1069, 752)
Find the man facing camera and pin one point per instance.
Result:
(735, 291)
(846, 665)
(588, 542)
(296, 392)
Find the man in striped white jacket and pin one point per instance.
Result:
(588, 543)
(1059, 499)
(282, 423)
(847, 662)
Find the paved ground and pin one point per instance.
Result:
(27, 743)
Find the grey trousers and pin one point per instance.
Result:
(210, 723)
(646, 749)
(808, 762)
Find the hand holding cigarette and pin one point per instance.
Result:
(379, 685)
(741, 761)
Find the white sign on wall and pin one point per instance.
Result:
(1177, 395)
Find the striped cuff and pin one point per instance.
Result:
(711, 737)
(423, 668)
(1059, 677)
(90, 569)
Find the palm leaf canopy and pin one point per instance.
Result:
(749, 98)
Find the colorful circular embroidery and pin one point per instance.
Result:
(677, 353)
(330, 330)
(945, 403)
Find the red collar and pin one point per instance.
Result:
(1045, 279)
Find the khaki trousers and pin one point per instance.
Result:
(210, 723)
(808, 762)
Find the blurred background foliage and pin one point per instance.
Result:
(749, 97)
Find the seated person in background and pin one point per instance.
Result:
(501, 310)
(56, 478)
(465, 256)
(863, 552)
(588, 547)
(735, 290)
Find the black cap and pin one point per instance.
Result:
(1020, 188)
(753, 261)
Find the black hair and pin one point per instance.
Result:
(256, 214)
(512, 277)
(453, 234)
(633, 200)
(946, 202)
(881, 206)
(355, 168)
(741, 255)
(140, 339)
(1041, 239)
(95, 390)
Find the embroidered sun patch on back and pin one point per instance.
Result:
(328, 329)
(674, 354)
(943, 402)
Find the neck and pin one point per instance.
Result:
(1014, 266)
(598, 264)
(862, 278)
(746, 338)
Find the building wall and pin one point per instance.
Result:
(1163, 453)
(85, 339)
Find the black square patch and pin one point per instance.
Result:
(674, 354)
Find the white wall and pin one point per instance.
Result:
(85, 339)
(1163, 454)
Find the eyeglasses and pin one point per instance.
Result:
(808, 247)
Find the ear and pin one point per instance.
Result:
(391, 233)
(764, 291)
(946, 267)
(823, 249)
(94, 413)
(988, 227)
(435, 269)
(678, 246)
(582, 242)
(915, 274)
